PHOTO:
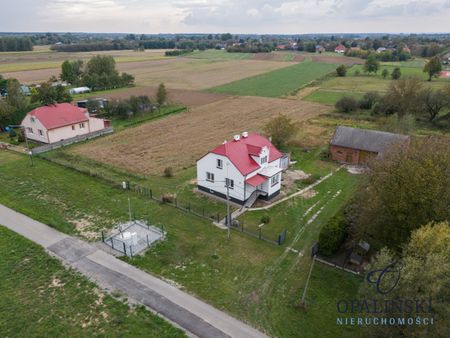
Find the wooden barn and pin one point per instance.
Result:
(358, 146)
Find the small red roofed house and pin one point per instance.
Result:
(249, 167)
(53, 123)
(340, 49)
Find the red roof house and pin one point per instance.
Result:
(249, 165)
(340, 49)
(49, 124)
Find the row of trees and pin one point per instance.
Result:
(95, 46)
(405, 96)
(99, 73)
(15, 44)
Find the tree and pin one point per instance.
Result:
(71, 71)
(371, 65)
(403, 96)
(384, 73)
(3, 85)
(161, 94)
(48, 94)
(15, 97)
(396, 73)
(341, 70)
(423, 271)
(433, 102)
(281, 129)
(409, 186)
(6, 113)
(433, 67)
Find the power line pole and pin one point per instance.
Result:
(30, 153)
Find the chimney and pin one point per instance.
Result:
(245, 134)
(237, 138)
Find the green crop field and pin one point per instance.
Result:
(255, 281)
(278, 82)
(39, 297)
(214, 54)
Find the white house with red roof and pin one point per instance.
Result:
(49, 124)
(340, 49)
(250, 165)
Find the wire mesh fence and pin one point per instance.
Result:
(133, 237)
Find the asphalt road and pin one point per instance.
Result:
(195, 316)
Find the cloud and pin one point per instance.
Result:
(236, 16)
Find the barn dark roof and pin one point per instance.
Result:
(368, 140)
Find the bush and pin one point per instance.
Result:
(357, 72)
(384, 73)
(346, 104)
(341, 70)
(265, 219)
(396, 73)
(168, 172)
(332, 235)
(368, 100)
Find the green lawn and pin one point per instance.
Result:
(330, 97)
(39, 297)
(255, 281)
(278, 82)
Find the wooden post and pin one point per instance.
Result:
(148, 242)
(103, 237)
(124, 248)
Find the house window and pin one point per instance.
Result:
(229, 183)
(30, 130)
(263, 159)
(210, 177)
(73, 127)
(32, 119)
(275, 180)
(219, 163)
(40, 132)
(81, 125)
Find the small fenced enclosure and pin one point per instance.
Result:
(133, 237)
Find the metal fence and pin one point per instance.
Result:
(133, 237)
(79, 138)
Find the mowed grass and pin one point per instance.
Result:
(39, 297)
(278, 82)
(255, 281)
(330, 97)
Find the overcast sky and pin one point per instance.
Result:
(235, 16)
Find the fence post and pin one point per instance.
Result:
(203, 212)
(259, 233)
(103, 237)
(242, 226)
(151, 193)
(148, 243)
(124, 248)
(131, 251)
(112, 243)
(218, 217)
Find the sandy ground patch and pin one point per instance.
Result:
(179, 140)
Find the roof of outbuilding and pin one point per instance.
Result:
(239, 152)
(59, 115)
(368, 140)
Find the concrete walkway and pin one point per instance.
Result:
(194, 316)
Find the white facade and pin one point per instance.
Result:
(36, 131)
(213, 171)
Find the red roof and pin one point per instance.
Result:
(239, 152)
(340, 47)
(256, 180)
(59, 115)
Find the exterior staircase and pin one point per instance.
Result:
(253, 197)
